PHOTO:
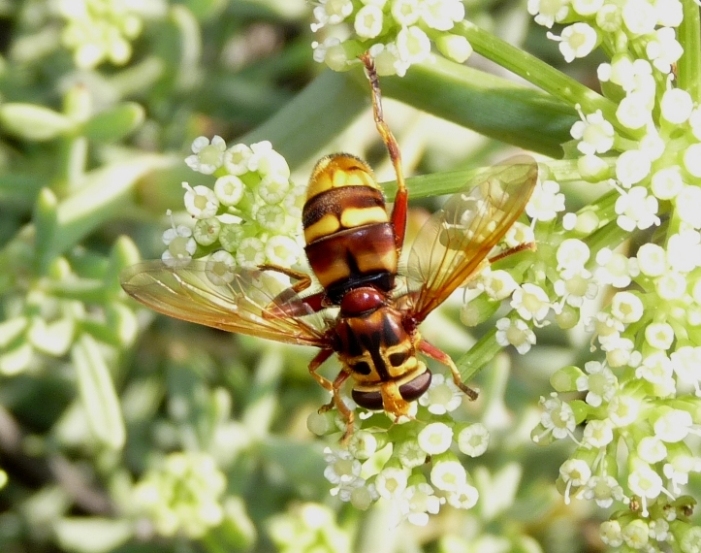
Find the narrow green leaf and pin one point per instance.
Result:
(490, 105)
(97, 392)
(114, 124)
(33, 122)
(45, 221)
(106, 194)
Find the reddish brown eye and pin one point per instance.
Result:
(415, 389)
(368, 400)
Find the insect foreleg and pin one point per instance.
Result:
(434, 353)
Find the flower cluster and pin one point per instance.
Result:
(397, 33)
(413, 465)
(99, 30)
(642, 395)
(183, 496)
(251, 217)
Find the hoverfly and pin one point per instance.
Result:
(366, 310)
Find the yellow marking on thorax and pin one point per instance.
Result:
(325, 226)
(356, 217)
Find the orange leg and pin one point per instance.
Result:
(434, 353)
(335, 388)
(530, 246)
(401, 199)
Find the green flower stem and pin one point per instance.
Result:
(72, 160)
(479, 355)
(689, 36)
(537, 72)
(488, 104)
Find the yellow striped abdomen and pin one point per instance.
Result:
(350, 241)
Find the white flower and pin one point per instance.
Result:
(442, 15)
(652, 259)
(659, 335)
(498, 285)
(684, 250)
(405, 12)
(594, 133)
(676, 105)
(673, 425)
(639, 17)
(435, 438)
(181, 246)
(686, 362)
(229, 190)
(656, 368)
(282, 251)
(207, 157)
(391, 482)
(368, 21)
(418, 502)
(615, 268)
(667, 182)
(623, 410)
(634, 112)
(410, 454)
(413, 45)
(600, 383)
(574, 472)
(442, 396)
(548, 12)
(250, 252)
(220, 268)
(603, 490)
(576, 41)
(651, 449)
(200, 201)
(611, 533)
(236, 159)
(620, 351)
(557, 417)
(689, 198)
(632, 167)
(515, 333)
(572, 254)
(473, 439)
(664, 50)
(669, 13)
(597, 434)
(341, 467)
(587, 7)
(531, 302)
(645, 483)
(671, 285)
(448, 475)
(546, 201)
(463, 498)
(575, 286)
(636, 209)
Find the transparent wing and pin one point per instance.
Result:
(455, 241)
(233, 299)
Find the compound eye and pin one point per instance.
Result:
(368, 400)
(415, 389)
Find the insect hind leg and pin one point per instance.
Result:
(401, 199)
(433, 352)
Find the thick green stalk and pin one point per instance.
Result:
(689, 36)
